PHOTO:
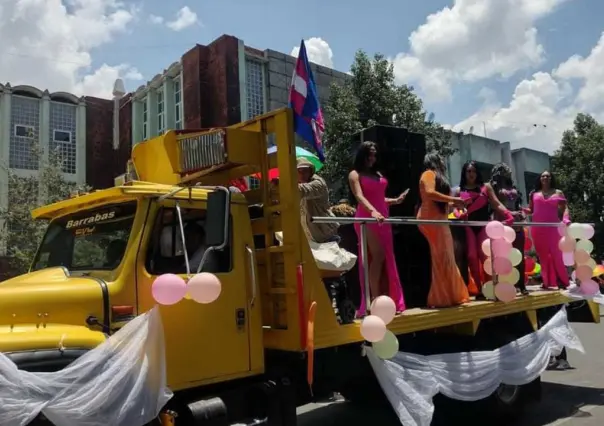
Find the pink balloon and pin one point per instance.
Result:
(505, 292)
(488, 266)
(501, 248)
(588, 231)
(589, 287)
(509, 234)
(486, 247)
(581, 256)
(494, 229)
(502, 266)
(384, 307)
(373, 328)
(583, 272)
(567, 244)
(204, 287)
(168, 289)
(568, 258)
(562, 229)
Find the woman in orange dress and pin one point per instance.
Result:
(448, 287)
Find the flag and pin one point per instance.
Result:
(304, 101)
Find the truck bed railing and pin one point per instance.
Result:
(409, 221)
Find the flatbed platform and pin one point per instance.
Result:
(467, 315)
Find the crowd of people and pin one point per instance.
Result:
(475, 199)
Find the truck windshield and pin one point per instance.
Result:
(93, 239)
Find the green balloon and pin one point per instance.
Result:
(387, 347)
(586, 245)
(537, 269)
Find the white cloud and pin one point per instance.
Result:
(154, 19)
(473, 40)
(100, 83)
(185, 17)
(544, 106)
(535, 117)
(590, 71)
(318, 51)
(48, 45)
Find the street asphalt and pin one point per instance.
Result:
(571, 398)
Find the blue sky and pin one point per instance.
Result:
(466, 58)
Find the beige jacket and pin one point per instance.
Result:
(314, 201)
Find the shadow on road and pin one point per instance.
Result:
(558, 402)
(561, 402)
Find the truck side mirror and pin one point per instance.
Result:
(217, 218)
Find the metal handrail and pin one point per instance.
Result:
(411, 221)
(406, 221)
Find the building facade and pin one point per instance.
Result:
(220, 84)
(526, 164)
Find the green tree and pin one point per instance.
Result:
(372, 97)
(21, 234)
(577, 165)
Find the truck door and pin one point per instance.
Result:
(203, 341)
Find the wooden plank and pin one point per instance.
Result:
(420, 319)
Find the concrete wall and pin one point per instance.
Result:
(529, 163)
(525, 163)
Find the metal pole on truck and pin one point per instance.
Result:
(365, 265)
(409, 221)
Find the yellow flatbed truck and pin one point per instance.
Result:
(244, 358)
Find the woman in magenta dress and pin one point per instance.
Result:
(369, 188)
(482, 200)
(548, 204)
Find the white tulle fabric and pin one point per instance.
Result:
(122, 382)
(411, 381)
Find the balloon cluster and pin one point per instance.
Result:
(169, 289)
(576, 251)
(501, 261)
(373, 327)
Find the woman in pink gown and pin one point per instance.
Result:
(547, 204)
(369, 189)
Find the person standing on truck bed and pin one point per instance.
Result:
(314, 201)
(481, 198)
(369, 188)
(448, 287)
(548, 204)
(505, 190)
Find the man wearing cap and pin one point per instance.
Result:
(314, 201)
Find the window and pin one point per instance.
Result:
(254, 81)
(166, 251)
(145, 119)
(94, 239)
(24, 131)
(161, 116)
(177, 105)
(62, 136)
(25, 125)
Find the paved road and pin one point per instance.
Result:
(570, 398)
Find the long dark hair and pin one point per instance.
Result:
(360, 159)
(436, 163)
(501, 176)
(462, 180)
(552, 181)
